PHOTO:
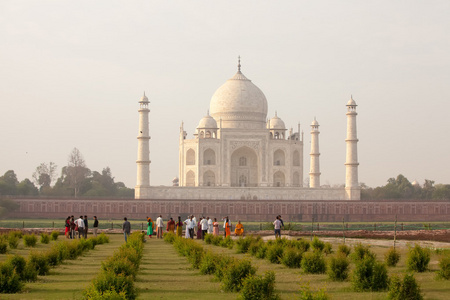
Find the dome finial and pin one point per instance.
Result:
(276, 114)
(239, 63)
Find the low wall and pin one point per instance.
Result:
(245, 210)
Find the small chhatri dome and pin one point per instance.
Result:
(238, 101)
(351, 102)
(315, 123)
(415, 183)
(207, 122)
(276, 123)
(144, 98)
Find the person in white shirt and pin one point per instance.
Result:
(277, 227)
(80, 223)
(192, 226)
(204, 224)
(159, 225)
(210, 225)
(188, 225)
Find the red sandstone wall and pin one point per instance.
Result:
(245, 210)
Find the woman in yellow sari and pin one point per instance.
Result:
(239, 229)
(227, 228)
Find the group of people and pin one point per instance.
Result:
(79, 226)
(193, 227)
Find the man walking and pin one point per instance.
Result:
(95, 226)
(159, 225)
(126, 227)
(204, 224)
(85, 227)
(210, 225)
(277, 227)
(192, 225)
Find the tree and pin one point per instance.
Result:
(8, 183)
(45, 174)
(27, 188)
(76, 171)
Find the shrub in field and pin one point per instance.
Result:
(418, 259)
(404, 289)
(307, 294)
(344, 249)
(444, 268)
(222, 263)
(93, 294)
(338, 267)
(45, 238)
(120, 265)
(63, 250)
(29, 240)
(209, 238)
(292, 257)
(3, 247)
(132, 254)
(52, 257)
(369, 275)
(317, 244)
(360, 252)
(54, 235)
(242, 244)
(392, 257)
(274, 253)
(208, 264)
(24, 269)
(262, 251)
(73, 251)
(227, 243)
(258, 287)
(111, 283)
(302, 244)
(328, 248)
(235, 273)
(254, 246)
(9, 279)
(170, 237)
(17, 233)
(313, 263)
(102, 238)
(13, 241)
(216, 240)
(40, 262)
(3, 238)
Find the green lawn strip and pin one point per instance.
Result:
(25, 251)
(68, 280)
(164, 274)
(288, 281)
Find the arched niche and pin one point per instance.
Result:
(278, 179)
(278, 158)
(244, 167)
(190, 178)
(296, 158)
(209, 157)
(190, 157)
(209, 178)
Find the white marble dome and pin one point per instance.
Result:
(276, 123)
(239, 103)
(207, 122)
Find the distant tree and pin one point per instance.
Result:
(8, 183)
(7, 205)
(76, 171)
(27, 188)
(441, 192)
(44, 175)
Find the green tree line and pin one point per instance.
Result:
(76, 180)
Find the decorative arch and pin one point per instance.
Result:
(209, 178)
(202, 134)
(278, 158)
(190, 157)
(296, 158)
(278, 179)
(295, 179)
(209, 157)
(244, 167)
(208, 134)
(190, 178)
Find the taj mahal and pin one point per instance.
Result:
(237, 153)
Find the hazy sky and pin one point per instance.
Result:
(72, 73)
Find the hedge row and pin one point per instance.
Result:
(13, 237)
(118, 272)
(235, 275)
(16, 269)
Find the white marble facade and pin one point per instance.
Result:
(237, 153)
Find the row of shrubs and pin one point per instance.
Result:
(16, 269)
(13, 237)
(235, 275)
(118, 272)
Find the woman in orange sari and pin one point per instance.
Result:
(227, 228)
(239, 229)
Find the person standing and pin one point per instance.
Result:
(227, 227)
(199, 229)
(179, 226)
(72, 227)
(67, 227)
(216, 227)
(204, 224)
(170, 225)
(277, 227)
(95, 226)
(85, 220)
(126, 227)
(281, 220)
(192, 227)
(225, 221)
(159, 227)
(188, 226)
(210, 225)
(149, 227)
(80, 224)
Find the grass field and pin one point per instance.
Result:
(166, 275)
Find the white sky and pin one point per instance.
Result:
(71, 73)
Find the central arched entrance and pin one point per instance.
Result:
(244, 167)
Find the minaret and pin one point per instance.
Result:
(314, 174)
(352, 189)
(143, 157)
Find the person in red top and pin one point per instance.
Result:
(67, 227)
(170, 225)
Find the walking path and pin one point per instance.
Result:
(166, 275)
